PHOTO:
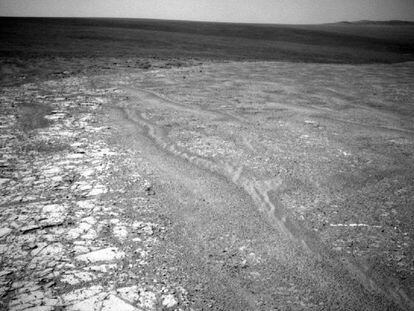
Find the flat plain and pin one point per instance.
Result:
(166, 165)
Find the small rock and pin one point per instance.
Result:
(41, 308)
(120, 232)
(148, 300)
(311, 122)
(29, 228)
(80, 249)
(86, 204)
(97, 190)
(3, 180)
(131, 294)
(75, 156)
(149, 190)
(101, 268)
(4, 232)
(169, 301)
(5, 272)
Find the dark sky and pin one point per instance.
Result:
(260, 11)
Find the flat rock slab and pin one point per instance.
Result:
(114, 303)
(106, 254)
(102, 302)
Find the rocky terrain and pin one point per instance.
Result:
(77, 230)
(216, 186)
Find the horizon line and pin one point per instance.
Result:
(209, 21)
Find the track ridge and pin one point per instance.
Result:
(259, 191)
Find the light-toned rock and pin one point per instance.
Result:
(102, 268)
(4, 232)
(52, 171)
(88, 204)
(120, 232)
(90, 235)
(3, 181)
(81, 294)
(40, 308)
(49, 226)
(88, 172)
(113, 303)
(75, 156)
(169, 301)
(80, 249)
(76, 277)
(49, 250)
(97, 190)
(106, 254)
(148, 300)
(54, 213)
(90, 220)
(93, 303)
(129, 293)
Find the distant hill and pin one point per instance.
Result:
(390, 22)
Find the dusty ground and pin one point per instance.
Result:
(237, 186)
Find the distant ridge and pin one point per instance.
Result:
(143, 38)
(368, 22)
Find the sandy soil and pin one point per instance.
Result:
(237, 186)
